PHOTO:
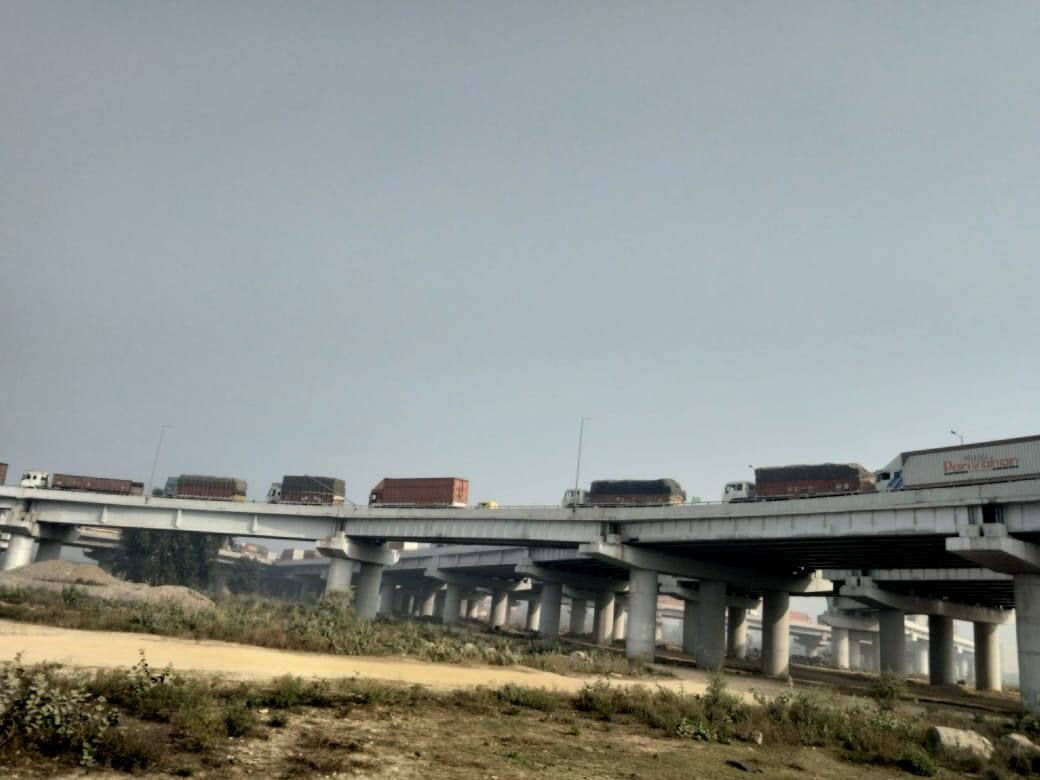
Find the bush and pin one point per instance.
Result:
(918, 762)
(888, 688)
(239, 721)
(129, 750)
(599, 699)
(532, 698)
(39, 710)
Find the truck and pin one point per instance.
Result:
(420, 492)
(3, 473)
(627, 492)
(207, 488)
(775, 483)
(305, 489)
(1001, 460)
(34, 478)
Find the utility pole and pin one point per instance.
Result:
(155, 462)
(958, 436)
(581, 436)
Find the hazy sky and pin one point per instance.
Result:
(368, 239)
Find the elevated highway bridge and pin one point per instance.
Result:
(967, 553)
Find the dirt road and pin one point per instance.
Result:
(107, 649)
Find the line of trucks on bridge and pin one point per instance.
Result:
(967, 464)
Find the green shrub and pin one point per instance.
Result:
(532, 698)
(918, 761)
(39, 710)
(888, 688)
(129, 750)
(239, 720)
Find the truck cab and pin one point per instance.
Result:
(738, 491)
(35, 479)
(274, 493)
(573, 498)
(890, 477)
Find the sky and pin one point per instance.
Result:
(378, 239)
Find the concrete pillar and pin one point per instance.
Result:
(48, 550)
(473, 605)
(452, 604)
(549, 620)
(919, 656)
(689, 628)
(19, 552)
(499, 613)
(840, 647)
(987, 657)
(338, 578)
(711, 625)
(399, 602)
(428, 601)
(620, 619)
(642, 614)
(892, 640)
(534, 614)
(1027, 626)
(941, 668)
(386, 599)
(578, 610)
(776, 634)
(367, 600)
(736, 633)
(855, 650)
(438, 604)
(603, 618)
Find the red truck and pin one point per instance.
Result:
(3, 473)
(305, 489)
(420, 492)
(43, 479)
(208, 488)
(808, 481)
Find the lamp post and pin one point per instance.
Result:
(958, 436)
(155, 462)
(581, 437)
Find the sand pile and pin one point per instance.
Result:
(92, 579)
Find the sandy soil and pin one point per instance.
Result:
(93, 580)
(107, 649)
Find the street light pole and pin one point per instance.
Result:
(155, 462)
(577, 471)
(958, 436)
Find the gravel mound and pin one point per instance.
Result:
(92, 579)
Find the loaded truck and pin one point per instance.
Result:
(43, 479)
(306, 489)
(207, 488)
(776, 483)
(1002, 460)
(3, 473)
(420, 492)
(627, 492)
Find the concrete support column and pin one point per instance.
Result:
(452, 605)
(534, 614)
(338, 578)
(400, 608)
(840, 647)
(776, 634)
(386, 599)
(578, 611)
(987, 657)
(549, 620)
(603, 618)
(499, 613)
(428, 602)
(473, 605)
(711, 625)
(642, 614)
(919, 654)
(941, 668)
(48, 550)
(367, 601)
(855, 654)
(892, 639)
(1027, 625)
(689, 628)
(620, 619)
(19, 552)
(736, 633)
(438, 604)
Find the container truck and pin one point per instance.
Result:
(3, 473)
(1003, 460)
(420, 492)
(306, 489)
(43, 479)
(774, 483)
(627, 492)
(201, 486)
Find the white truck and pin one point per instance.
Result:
(1003, 460)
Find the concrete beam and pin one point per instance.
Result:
(339, 546)
(472, 581)
(670, 587)
(863, 590)
(561, 577)
(999, 553)
(689, 568)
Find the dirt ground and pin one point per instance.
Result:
(108, 649)
(91, 579)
